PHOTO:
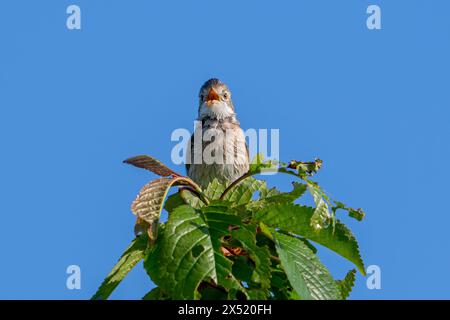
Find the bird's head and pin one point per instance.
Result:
(215, 101)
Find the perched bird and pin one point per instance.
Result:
(217, 148)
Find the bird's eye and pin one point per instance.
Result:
(202, 97)
(225, 95)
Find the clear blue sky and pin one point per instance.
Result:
(374, 105)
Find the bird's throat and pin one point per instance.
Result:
(218, 110)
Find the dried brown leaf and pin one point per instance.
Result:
(151, 164)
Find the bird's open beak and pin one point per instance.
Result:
(212, 96)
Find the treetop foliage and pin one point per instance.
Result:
(237, 241)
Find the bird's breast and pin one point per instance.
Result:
(223, 153)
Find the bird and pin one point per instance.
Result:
(217, 148)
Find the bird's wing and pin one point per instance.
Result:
(237, 145)
(236, 149)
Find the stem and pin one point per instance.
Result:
(276, 259)
(196, 190)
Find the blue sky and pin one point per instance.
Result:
(374, 105)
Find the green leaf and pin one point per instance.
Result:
(321, 216)
(173, 201)
(189, 252)
(213, 192)
(278, 197)
(129, 259)
(243, 192)
(266, 193)
(191, 199)
(237, 247)
(309, 245)
(279, 279)
(298, 190)
(307, 275)
(260, 256)
(220, 225)
(280, 285)
(155, 294)
(296, 219)
(258, 165)
(242, 269)
(213, 293)
(182, 256)
(257, 294)
(345, 286)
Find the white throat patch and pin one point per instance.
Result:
(218, 110)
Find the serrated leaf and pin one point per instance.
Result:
(321, 216)
(307, 275)
(172, 265)
(345, 286)
(155, 294)
(129, 259)
(213, 191)
(266, 193)
(189, 253)
(278, 197)
(149, 202)
(296, 219)
(259, 165)
(243, 192)
(297, 191)
(151, 164)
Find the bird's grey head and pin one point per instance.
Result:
(215, 101)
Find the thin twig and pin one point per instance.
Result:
(276, 259)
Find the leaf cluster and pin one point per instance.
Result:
(237, 241)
